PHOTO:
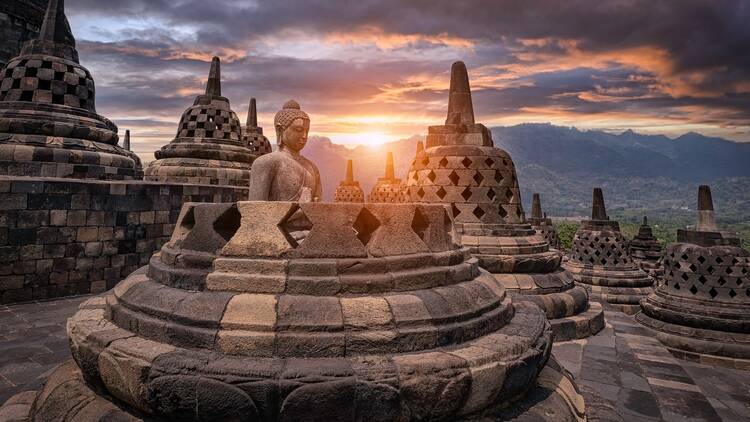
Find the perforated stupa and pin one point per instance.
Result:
(388, 188)
(349, 189)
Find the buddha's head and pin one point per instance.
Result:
(292, 125)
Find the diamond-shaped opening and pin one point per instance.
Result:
(294, 225)
(441, 193)
(721, 281)
(719, 260)
(432, 176)
(693, 290)
(466, 162)
(228, 223)
(701, 259)
(489, 162)
(491, 194)
(425, 161)
(365, 225)
(454, 178)
(747, 292)
(455, 210)
(188, 222)
(466, 194)
(478, 212)
(728, 270)
(498, 176)
(732, 293)
(710, 269)
(702, 279)
(713, 292)
(692, 267)
(604, 262)
(478, 178)
(684, 276)
(502, 211)
(420, 192)
(677, 286)
(508, 194)
(420, 224)
(443, 162)
(684, 257)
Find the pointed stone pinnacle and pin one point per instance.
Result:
(349, 171)
(645, 221)
(460, 108)
(598, 210)
(55, 26)
(252, 114)
(126, 141)
(420, 146)
(213, 87)
(706, 218)
(389, 171)
(536, 207)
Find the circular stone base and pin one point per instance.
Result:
(710, 347)
(579, 326)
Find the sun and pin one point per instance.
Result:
(373, 139)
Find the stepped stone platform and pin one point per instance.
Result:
(374, 314)
(600, 262)
(702, 310)
(461, 168)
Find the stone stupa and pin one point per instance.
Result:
(461, 168)
(208, 148)
(702, 310)
(378, 315)
(599, 260)
(252, 134)
(388, 188)
(646, 251)
(349, 189)
(542, 224)
(48, 121)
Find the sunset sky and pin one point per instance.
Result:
(369, 71)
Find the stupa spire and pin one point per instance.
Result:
(460, 108)
(126, 141)
(706, 219)
(598, 210)
(55, 26)
(420, 146)
(213, 87)
(349, 171)
(389, 171)
(252, 114)
(536, 207)
(645, 220)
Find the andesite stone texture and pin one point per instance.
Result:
(349, 189)
(462, 169)
(599, 261)
(702, 310)
(646, 251)
(543, 225)
(377, 315)
(48, 121)
(209, 147)
(20, 21)
(388, 188)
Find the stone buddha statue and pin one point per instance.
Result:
(285, 175)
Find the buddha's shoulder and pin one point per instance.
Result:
(270, 159)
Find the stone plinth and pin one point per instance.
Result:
(349, 189)
(388, 188)
(702, 310)
(462, 169)
(599, 261)
(48, 121)
(373, 316)
(63, 237)
(646, 251)
(209, 148)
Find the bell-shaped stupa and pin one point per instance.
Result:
(388, 188)
(252, 134)
(701, 312)
(48, 121)
(599, 260)
(646, 251)
(208, 148)
(349, 190)
(542, 224)
(461, 168)
(378, 315)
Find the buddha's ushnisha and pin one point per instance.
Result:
(285, 175)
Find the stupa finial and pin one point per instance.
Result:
(349, 171)
(460, 108)
(706, 219)
(252, 114)
(213, 87)
(55, 26)
(645, 220)
(389, 171)
(126, 141)
(536, 207)
(598, 210)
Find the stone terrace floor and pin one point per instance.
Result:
(622, 364)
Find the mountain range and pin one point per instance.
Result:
(640, 174)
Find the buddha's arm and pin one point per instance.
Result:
(261, 177)
(318, 194)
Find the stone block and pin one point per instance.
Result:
(76, 218)
(366, 312)
(309, 312)
(250, 343)
(87, 234)
(58, 217)
(250, 312)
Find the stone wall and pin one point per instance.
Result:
(61, 237)
(19, 21)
